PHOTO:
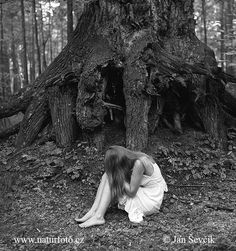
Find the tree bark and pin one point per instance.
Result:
(1, 24)
(69, 19)
(32, 72)
(4, 64)
(62, 107)
(62, 36)
(36, 37)
(222, 35)
(50, 33)
(213, 121)
(15, 65)
(17, 103)
(44, 40)
(137, 103)
(25, 66)
(9, 131)
(204, 20)
(230, 35)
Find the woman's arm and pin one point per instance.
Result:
(136, 177)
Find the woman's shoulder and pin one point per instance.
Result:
(146, 159)
(138, 167)
(138, 163)
(147, 162)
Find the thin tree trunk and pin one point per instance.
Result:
(56, 48)
(25, 66)
(36, 37)
(2, 87)
(222, 36)
(62, 36)
(4, 62)
(1, 24)
(69, 19)
(50, 32)
(15, 65)
(204, 20)
(44, 41)
(32, 72)
(230, 34)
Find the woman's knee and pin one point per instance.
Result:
(104, 177)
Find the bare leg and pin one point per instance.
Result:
(94, 207)
(98, 217)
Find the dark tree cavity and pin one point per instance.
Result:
(138, 62)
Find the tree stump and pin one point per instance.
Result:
(147, 44)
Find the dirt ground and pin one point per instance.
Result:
(43, 187)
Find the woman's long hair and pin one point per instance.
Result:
(119, 162)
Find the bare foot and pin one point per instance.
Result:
(87, 216)
(93, 221)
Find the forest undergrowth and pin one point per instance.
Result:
(43, 187)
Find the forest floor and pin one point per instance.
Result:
(43, 187)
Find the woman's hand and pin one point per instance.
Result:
(127, 188)
(136, 177)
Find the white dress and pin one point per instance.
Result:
(148, 198)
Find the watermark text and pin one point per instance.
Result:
(178, 239)
(48, 240)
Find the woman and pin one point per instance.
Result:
(134, 180)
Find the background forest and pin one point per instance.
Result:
(33, 32)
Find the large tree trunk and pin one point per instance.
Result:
(62, 106)
(137, 102)
(130, 57)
